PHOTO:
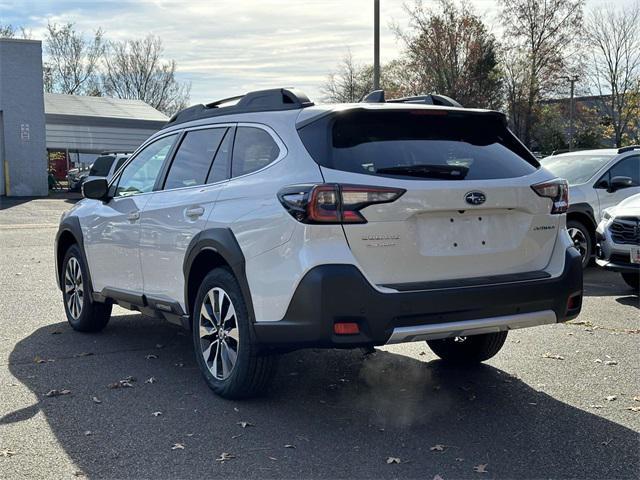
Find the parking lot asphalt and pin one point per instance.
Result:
(558, 401)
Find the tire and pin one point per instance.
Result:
(632, 279)
(468, 350)
(224, 343)
(83, 314)
(582, 240)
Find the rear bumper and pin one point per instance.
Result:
(339, 293)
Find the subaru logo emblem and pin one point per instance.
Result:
(475, 198)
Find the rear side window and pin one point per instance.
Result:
(101, 166)
(253, 149)
(420, 144)
(194, 157)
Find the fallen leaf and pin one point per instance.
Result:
(611, 362)
(236, 409)
(151, 357)
(391, 460)
(482, 468)
(438, 477)
(606, 442)
(289, 446)
(177, 446)
(633, 409)
(179, 364)
(245, 424)
(37, 359)
(96, 400)
(126, 382)
(636, 399)
(597, 360)
(159, 345)
(5, 452)
(596, 406)
(553, 356)
(83, 354)
(88, 433)
(156, 414)
(56, 332)
(422, 353)
(611, 398)
(57, 393)
(236, 436)
(438, 448)
(224, 456)
(150, 380)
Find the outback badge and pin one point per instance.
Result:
(475, 198)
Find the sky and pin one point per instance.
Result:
(228, 47)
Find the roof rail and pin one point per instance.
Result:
(630, 148)
(377, 96)
(259, 101)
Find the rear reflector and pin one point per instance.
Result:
(574, 302)
(346, 328)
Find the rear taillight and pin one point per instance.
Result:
(333, 202)
(558, 191)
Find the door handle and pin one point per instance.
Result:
(133, 216)
(194, 212)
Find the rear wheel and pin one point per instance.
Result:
(581, 238)
(83, 314)
(632, 279)
(468, 350)
(225, 346)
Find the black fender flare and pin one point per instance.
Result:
(585, 209)
(71, 224)
(223, 242)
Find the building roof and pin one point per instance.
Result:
(101, 107)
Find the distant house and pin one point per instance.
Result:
(78, 128)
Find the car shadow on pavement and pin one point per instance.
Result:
(601, 283)
(329, 414)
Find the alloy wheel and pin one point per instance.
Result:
(578, 239)
(74, 288)
(219, 333)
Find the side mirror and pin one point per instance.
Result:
(618, 183)
(97, 188)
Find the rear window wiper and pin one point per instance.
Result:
(445, 172)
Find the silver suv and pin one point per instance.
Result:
(265, 223)
(598, 179)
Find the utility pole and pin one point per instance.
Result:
(376, 44)
(572, 80)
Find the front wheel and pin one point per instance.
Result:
(468, 350)
(224, 343)
(632, 279)
(83, 314)
(581, 238)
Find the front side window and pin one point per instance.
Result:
(192, 162)
(629, 167)
(253, 149)
(141, 174)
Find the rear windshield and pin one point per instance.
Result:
(432, 144)
(101, 166)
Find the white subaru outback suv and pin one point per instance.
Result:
(266, 224)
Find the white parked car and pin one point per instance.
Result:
(619, 240)
(270, 224)
(598, 179)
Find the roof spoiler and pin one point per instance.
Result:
(377, 96)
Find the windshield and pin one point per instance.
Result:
(101, 166)
(418, 144)
(575, 169)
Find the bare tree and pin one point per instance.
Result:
(349, 83)
(449, 50)
(9, 31)
(72, 62)
(135, 69)
(613, 35)
(542, 32)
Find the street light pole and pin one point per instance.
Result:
(376, 44)
(572, 81)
